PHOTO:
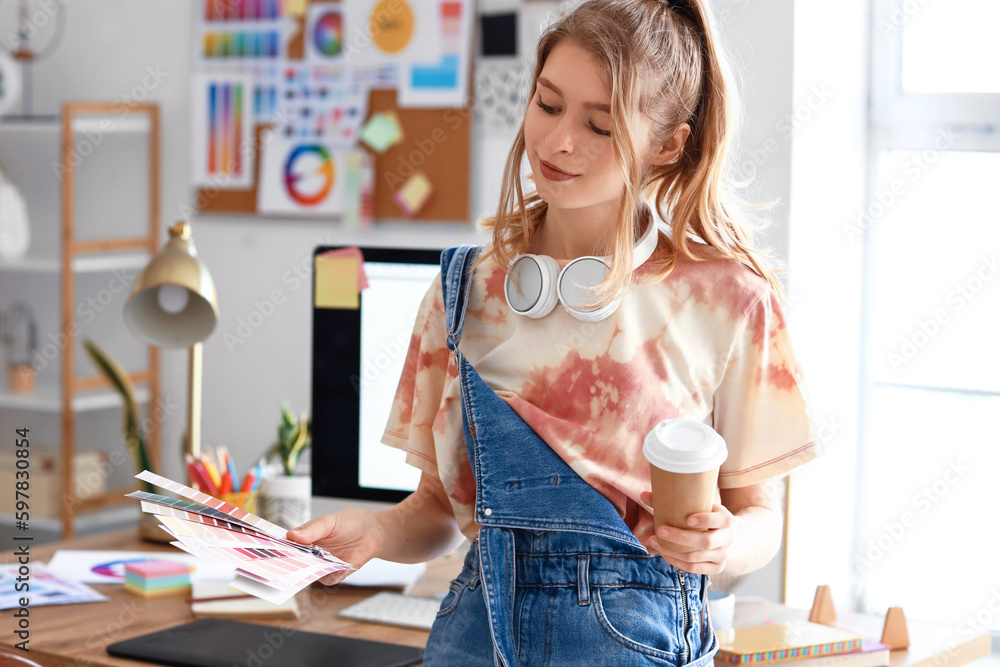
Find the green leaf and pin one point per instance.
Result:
(131, 429)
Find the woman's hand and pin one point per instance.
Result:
(711, 535)
(354, 536)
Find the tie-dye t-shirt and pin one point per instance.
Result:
(708, 342)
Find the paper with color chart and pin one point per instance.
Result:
(324, 36)
(46, 589)
(301, 177)
(229, 33)
(440, 79)
(222, 130)
(108, 567)
(322, 101)
(268, 565)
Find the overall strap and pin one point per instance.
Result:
(456, 281)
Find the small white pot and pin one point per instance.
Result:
(285, 500)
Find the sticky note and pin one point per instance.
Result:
(296, 7)
(414, 193)
(340, 277)
(382, 131)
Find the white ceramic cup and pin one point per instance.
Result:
(721, 608)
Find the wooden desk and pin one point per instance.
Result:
(77, 634)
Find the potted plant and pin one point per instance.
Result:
(285, 497)
(135, 439)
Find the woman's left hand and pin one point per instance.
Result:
(710, 535)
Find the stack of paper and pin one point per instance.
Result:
(268, 565)
(216, 598)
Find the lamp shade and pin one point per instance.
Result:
(173, 301)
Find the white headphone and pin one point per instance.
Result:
(540, 282)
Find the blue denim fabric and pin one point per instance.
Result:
(554, 577)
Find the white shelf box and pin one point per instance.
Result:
(48, 399)
(96, 263)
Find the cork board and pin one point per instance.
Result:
(435, 141)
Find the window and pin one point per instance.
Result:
(930, 397)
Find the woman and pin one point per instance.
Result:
(529, 386)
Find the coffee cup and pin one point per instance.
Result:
(684, 457)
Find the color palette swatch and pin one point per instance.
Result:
(241, 10)
(267, 564)
(222, 130)
(235, 31)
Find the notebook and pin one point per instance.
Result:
(779, 642)
(220, 642)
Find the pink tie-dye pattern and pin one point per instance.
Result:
(707, 342)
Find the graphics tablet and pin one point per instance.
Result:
(218, 642)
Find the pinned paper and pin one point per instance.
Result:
(296, 7)
(414, 194)
(382, 131)
(340, 277)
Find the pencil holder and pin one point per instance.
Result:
(242, 499)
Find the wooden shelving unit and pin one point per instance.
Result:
(76, 252)
(65, 249)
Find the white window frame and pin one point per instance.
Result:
(902, 120)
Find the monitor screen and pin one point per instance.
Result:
(358, 354)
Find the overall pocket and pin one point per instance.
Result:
(643, 620)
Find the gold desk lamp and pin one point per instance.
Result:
(173, 304)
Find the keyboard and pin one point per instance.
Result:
(408, 611)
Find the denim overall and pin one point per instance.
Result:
(554, 577)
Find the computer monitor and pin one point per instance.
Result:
(358, 356)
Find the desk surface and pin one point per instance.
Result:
(77, 634)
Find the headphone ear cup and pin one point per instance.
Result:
(576, 282)
(530, 285)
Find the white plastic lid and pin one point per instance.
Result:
(684, 446)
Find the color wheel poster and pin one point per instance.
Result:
(325, 33)
(301, 177)
(222, 131)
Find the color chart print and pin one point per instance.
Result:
(325, 33)
(441, 82)
(327, 102)
(301, 177)
(241, 10)
(236, 513)
(266, 565)
(222, 131)
(241, 30)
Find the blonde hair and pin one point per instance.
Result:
(661, 60)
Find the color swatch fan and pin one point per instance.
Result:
(268, 565)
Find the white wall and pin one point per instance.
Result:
(111, 45)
